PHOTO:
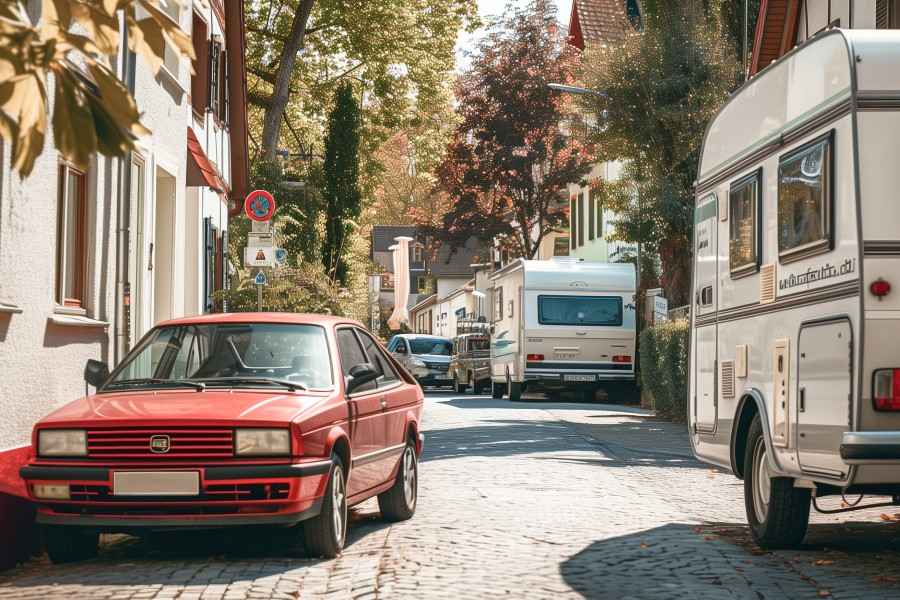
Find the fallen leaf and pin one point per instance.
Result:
(824, 593)
(822, 562)
(844, 504)
(709, 538)
(885, 517)
(885, 579)
(643, 545)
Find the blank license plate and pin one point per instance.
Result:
(156, 483)
(577, 378)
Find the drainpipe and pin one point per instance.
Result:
(122, 319)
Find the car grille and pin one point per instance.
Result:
(436, 366)
(215, 493)
(183, 442)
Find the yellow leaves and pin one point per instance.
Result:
(92, 111)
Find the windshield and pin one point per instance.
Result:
(431, 346)
(230, 354)
(580, 310)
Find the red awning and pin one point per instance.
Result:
(200, 172)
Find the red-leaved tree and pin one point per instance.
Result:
(508, 162)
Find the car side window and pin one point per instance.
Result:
(351, 354)
(377, 358)
(401, 346)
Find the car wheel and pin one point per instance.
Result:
(458, 386)
(497, 390)
(326, 533)
(778, 512)
(514, 390)
(70, 544)
(399, 502)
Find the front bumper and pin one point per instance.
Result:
(861, 447)
(249, 494)
(433, 377)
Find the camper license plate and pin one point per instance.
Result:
(156, 483)
(579, 378)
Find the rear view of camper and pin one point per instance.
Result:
(563, 325)
(795, 349)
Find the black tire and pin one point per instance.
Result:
(326, 533)
(497, 390)
(783, 521)
(70, 544)
(588, 395)
(514, 391)
(622, 393)
(399, 502)
(458, 387)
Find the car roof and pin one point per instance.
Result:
(263, 317)
(421, 336)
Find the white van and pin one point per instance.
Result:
(795, 346)
(562, 324)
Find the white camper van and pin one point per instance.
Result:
(795, 346)
(562, 324)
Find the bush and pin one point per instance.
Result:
(664, 367)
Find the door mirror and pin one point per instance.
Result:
(96, 372)
(360, 375)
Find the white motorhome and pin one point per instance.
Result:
(795, 346)
(562, 324)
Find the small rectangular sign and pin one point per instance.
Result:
(259, 256)
(156, 483)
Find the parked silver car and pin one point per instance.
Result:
(427, 357)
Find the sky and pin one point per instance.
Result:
(488, 8)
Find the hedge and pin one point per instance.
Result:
(664, 367)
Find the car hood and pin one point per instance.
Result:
(433, 358)
(168, 406)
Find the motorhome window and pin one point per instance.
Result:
(743, 248)
(804, 190)
(498, 304)
(580, 310)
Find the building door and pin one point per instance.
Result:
(824, 395)
(705, 338)
(163, 255)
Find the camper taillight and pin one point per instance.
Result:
(880, 288)
(534, 357)
(886, 389)
(621, 358)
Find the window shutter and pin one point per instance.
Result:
(209, 244)
(591, 216)
(214, 77)
(200, 78)
(882, 14)
(224, 85)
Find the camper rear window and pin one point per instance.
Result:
(804, 191)
(579, 310)
(743, 247)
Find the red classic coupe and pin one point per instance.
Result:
(231, 419)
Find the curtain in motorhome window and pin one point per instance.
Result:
(804, 199)
(580, 310)
(743, 247)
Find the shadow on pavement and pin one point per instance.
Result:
(616, 444)
(538, 403)
(720, 561)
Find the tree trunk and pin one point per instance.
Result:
(280, 95)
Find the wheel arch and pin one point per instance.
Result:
(338, 442)
(411, 430)
(751, 404)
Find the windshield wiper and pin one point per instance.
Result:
(155, 380)
(291, 385)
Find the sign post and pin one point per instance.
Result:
(259, 206)
(260, 281)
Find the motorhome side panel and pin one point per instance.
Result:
(776, 271)
(506, 342)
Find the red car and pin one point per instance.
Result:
(225, 420)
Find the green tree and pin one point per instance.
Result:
(663, 87)
(92, 110)
(341, 180)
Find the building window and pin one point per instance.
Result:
(591, 216)
(561, 246)
(71, 238)
(200, 78)
(573, 222)
(215, 78)
(804, 199)
(580, 222)
(743, 249)
(421, 284)
(887, 14)
(387, 281)
(417, 253)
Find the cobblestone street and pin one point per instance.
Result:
(531, 499)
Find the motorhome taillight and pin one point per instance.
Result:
(621, 358)
(880, 288)
(534, 357)
(886, 389)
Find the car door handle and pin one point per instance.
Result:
(383, 404)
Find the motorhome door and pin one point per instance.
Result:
(705, 306)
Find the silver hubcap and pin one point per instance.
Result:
(409, 476)
(339, 503)
(762, 481)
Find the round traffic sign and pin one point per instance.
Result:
(259, 205)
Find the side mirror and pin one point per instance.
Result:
(360, 375)
(96, 372)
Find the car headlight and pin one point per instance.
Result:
(262, 442)
(62, 442)
(418, 362)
